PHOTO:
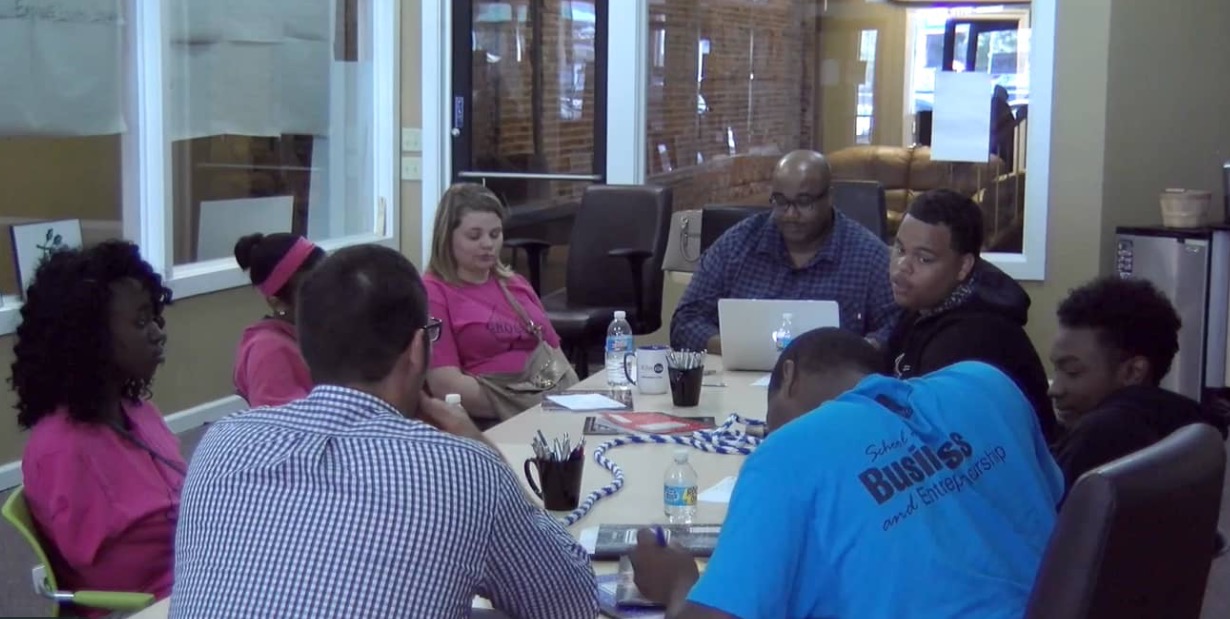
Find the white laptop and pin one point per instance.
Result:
(747, 326)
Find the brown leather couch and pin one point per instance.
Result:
(905, 171)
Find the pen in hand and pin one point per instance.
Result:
(660, 535)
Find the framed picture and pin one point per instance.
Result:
(34, 242)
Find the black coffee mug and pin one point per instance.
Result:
(685, 385)
(560, 482)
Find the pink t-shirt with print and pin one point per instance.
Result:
(482, 334)
(106, 506)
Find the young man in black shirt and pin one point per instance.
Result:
(957, 306)
(1116, 341)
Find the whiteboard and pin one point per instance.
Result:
(224, 221)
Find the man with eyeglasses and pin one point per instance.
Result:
(800, 249)
(367, 498)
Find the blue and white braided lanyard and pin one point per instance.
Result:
(724, 439)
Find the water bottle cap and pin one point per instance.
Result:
(452, 398)
(681, 456)
(620, 314)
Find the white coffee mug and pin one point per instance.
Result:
(650, 375)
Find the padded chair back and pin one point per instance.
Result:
(1135, 537)
(716, 219)
(619, 217)
(863, 201)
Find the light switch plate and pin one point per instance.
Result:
(411, 139)
(411, 168)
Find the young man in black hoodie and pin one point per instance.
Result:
(1116, 341)
(957, 306)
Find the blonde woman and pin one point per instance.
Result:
(496, 348)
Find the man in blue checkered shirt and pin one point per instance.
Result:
(801, 249)
(366, 498)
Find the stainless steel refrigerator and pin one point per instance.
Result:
(1192, 267)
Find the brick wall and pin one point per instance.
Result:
(756, 82)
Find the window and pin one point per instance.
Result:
(184, 124)
(62, 120)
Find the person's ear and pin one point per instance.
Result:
(788, 378)
(1134, 371)
(419, 356)
(967, 266)
(279, 307)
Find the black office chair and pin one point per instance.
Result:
(1136, 537)
(716, 219)
(615, 255)
(862, 201)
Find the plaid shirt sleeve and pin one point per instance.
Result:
(535, 568)
(696, 316)
(882, 310)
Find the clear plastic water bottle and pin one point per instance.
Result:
(785, 333)
(618, 343)
(679, 490)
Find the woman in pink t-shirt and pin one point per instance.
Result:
(483, 333)
(269, 371)
(101, 469)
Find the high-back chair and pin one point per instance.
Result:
(1135, 537)
(863, 201)
(17, 513)
(615, 254)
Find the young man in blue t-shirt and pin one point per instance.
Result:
(932, 497)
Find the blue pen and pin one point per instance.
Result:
(661, 535)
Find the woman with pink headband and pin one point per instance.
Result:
(269, 371)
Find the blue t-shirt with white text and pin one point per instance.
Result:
(931, 498)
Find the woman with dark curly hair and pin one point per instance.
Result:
(102, 471)
(269, 371)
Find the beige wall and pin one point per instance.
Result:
(1130, 119)
(201, 336)
(412, 116)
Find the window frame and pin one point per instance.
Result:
(146, 213)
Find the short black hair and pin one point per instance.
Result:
(1131, 317)
(63, 354)
(259, 254)
(825, 350)
(357, 312)
(959, 213)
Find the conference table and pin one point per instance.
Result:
(644, 465)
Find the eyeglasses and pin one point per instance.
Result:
(803, 203)
(432, 328)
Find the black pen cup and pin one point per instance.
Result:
(559, 481)
(685, 385)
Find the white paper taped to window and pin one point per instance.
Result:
(961, 120)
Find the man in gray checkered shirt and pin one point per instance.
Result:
(367, 498)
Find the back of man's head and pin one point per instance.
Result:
(358, 311)
(817, 367)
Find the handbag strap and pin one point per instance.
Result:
(534, 328)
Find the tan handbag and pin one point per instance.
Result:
(547, 369)
(683, 244)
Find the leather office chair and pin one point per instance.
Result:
(1135, 537)
(863, 201)
(716, 219)
(615, 257)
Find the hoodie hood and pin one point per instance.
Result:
(995, 292)
(267, 327)
(1161, 410)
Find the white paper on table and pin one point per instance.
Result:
(720, 492)
(588, 539)
(586, 402)
(961, 120)
(763, 381)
